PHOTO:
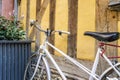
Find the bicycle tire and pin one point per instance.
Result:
(42, 71)
(110, 74)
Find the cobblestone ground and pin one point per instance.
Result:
(72, 72)
(56, 76)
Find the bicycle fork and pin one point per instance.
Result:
(36, 67)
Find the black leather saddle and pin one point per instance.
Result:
(104, 36)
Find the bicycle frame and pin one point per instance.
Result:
(92, 72)
(44, 47)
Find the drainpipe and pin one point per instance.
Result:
(7, 8)
(16, 8)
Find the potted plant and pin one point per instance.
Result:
(14, 49)
(11, 29)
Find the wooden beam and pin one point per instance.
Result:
(41, 6)
(38, 7)
(37, 32)
(27, 17)
(52, 22)
(118, 16)
(72, 27)
(106, 21)
(42, 10)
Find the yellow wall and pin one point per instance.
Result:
(23, 10)
(61, 23)
(86, 22)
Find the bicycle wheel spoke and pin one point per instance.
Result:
(43, 71)
(111, 74)
(40, 74)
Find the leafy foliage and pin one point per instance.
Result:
(11, 29)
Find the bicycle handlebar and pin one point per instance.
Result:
(34, 23)
(60, 32)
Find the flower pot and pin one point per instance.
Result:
(13, 59)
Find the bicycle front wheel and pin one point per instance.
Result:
(110, 74)
(37, 68)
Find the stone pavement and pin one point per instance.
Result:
(70, 70)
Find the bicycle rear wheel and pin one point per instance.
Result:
(40, 72)
(110, 74)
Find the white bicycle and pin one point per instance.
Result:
(38, 67)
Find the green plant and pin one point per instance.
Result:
(11, 29)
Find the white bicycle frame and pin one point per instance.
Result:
(92, 72)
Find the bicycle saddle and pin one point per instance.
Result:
(104, 36)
